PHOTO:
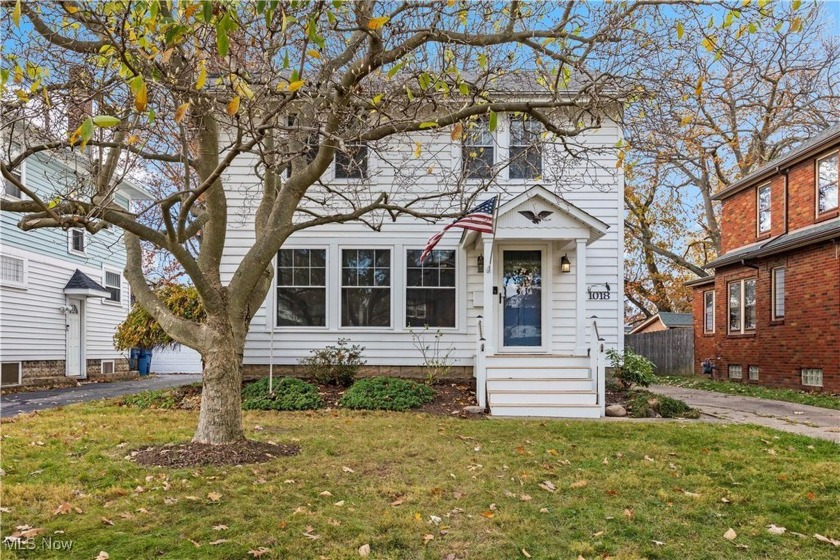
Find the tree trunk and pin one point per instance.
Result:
(220, 418)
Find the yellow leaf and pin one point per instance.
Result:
(167, 54)
(71, 9)
(376, 23)
(313, 53)
(686, 120)
(294, 86)
(181, 111)
(16, 14)
(418, 149)
(457, 131)
(796, 25)
(202, 77)
(233, 106)
(141, 98)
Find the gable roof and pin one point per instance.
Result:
(670, 320)
(809, 148)
(80, 284)
(599, 228)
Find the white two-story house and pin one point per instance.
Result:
(62, 293)
(527, 310)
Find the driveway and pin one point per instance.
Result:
(16, 403)
(795, 418)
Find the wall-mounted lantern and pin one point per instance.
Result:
(480, 263)
(565, 265)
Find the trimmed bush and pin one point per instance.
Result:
(648, 405)
(289, 394)
(335, 365)
(631, 368)
(386, 393)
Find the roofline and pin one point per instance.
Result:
(775, 169)
(775, 249)
(647, 322)
(702, 281)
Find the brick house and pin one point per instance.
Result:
(770, 314)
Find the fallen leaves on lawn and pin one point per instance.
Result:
(339, 503)
(364, 550)
(547, 486)
(525, 553)
(347, 469)
(578, 484)
(428, 537)
(217, 542)
(828, 540)
(488, 514)
(106, 521)
(775, 530)
(214, 496)
(310, 534)
(219, 527)
(257, 552)
(102, 555)
(63, 509)
(325, 494)
(397, 502)
(730, 534)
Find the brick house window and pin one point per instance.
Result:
(753, 373)
(778, 293)
(764, 215)
(742, 305)
(709, 311)
(827, 184)
(735, 372)
(812, 377)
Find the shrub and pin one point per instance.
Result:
(141, 330)
(289, 394)
(648, 405)
(631, 368)
(437, 359)
(335, 365)
(161, 398)
(386, 393)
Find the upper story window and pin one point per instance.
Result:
(113, 283)
(76, 242)
(309, 149)
(778, 299)
(302, 288)
(365, 288)
(430, 297)
(12, 271)
(352, 163)
(10, 190)
(525, 148)
(709, 311)
(477, 150)
(764, 215)
(827, 183)
(742, 305)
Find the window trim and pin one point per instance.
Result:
(22, 172)
(23, 285)
(510, 118)
(406, 287)
(118, 272)
(494, 144)
(741, 306)
(20, 373)
(102, 367)
(817, 161)
(327, 296)
(774, 293)
(393, 250)
(706, 293)
(758, 230)
(70, 249)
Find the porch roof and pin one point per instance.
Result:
(80, 284)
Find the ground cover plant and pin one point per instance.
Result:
(825, 400)
(421, 486)
(644, 404)
(288, 393)
(386, 393)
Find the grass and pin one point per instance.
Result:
(825, 400)
(388, 473)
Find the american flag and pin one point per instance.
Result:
(479, 219)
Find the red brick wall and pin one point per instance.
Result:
(704, 344)
(809, 335)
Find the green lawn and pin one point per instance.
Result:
(420, 486)
(824, 400)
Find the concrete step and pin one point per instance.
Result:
(537, 384)
(552, 398)
(548, 411)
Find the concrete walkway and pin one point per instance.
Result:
(823, 423)
(16, 403)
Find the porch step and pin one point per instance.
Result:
(541, 398)
(537, 384)
(527, 372)
(548, 411)
(539, 361)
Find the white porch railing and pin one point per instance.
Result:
(480, 366)
(597, 363)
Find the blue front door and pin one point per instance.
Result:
(522, 298)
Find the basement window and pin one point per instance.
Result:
(107, 367)
(735, 372)
(753, 373)
(12, 373)
(812, 377)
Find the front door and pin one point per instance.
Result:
(521, 295)
(73, 323)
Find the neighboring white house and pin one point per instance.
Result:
(181, 359)
(516, 308)
(62, 293)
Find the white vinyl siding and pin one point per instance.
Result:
(742, 306)
(778, 299)
(709, 311)
(12, 271)
(828, 183)
(764, 213)
(812, 377)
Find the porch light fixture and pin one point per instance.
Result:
(565, 265)
(480, 263)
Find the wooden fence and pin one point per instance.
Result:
(672, 351)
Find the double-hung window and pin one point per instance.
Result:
(12, 271)
(76, 241)
(365, 288)
(302, 288)
(709, 311)
(764, 215)
(827, 183)
(430, 298)
(10, 190)
(352, 163)
(742, 305)
(525, 150)
(113, 283)
(477, 151)
(778, 298)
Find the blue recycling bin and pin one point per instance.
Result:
(144, 361)
(133, 358)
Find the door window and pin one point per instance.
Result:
(521, 292)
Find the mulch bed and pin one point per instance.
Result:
(191, 454)
(450, 398)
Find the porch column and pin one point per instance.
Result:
(489, 298)
(580, 297)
